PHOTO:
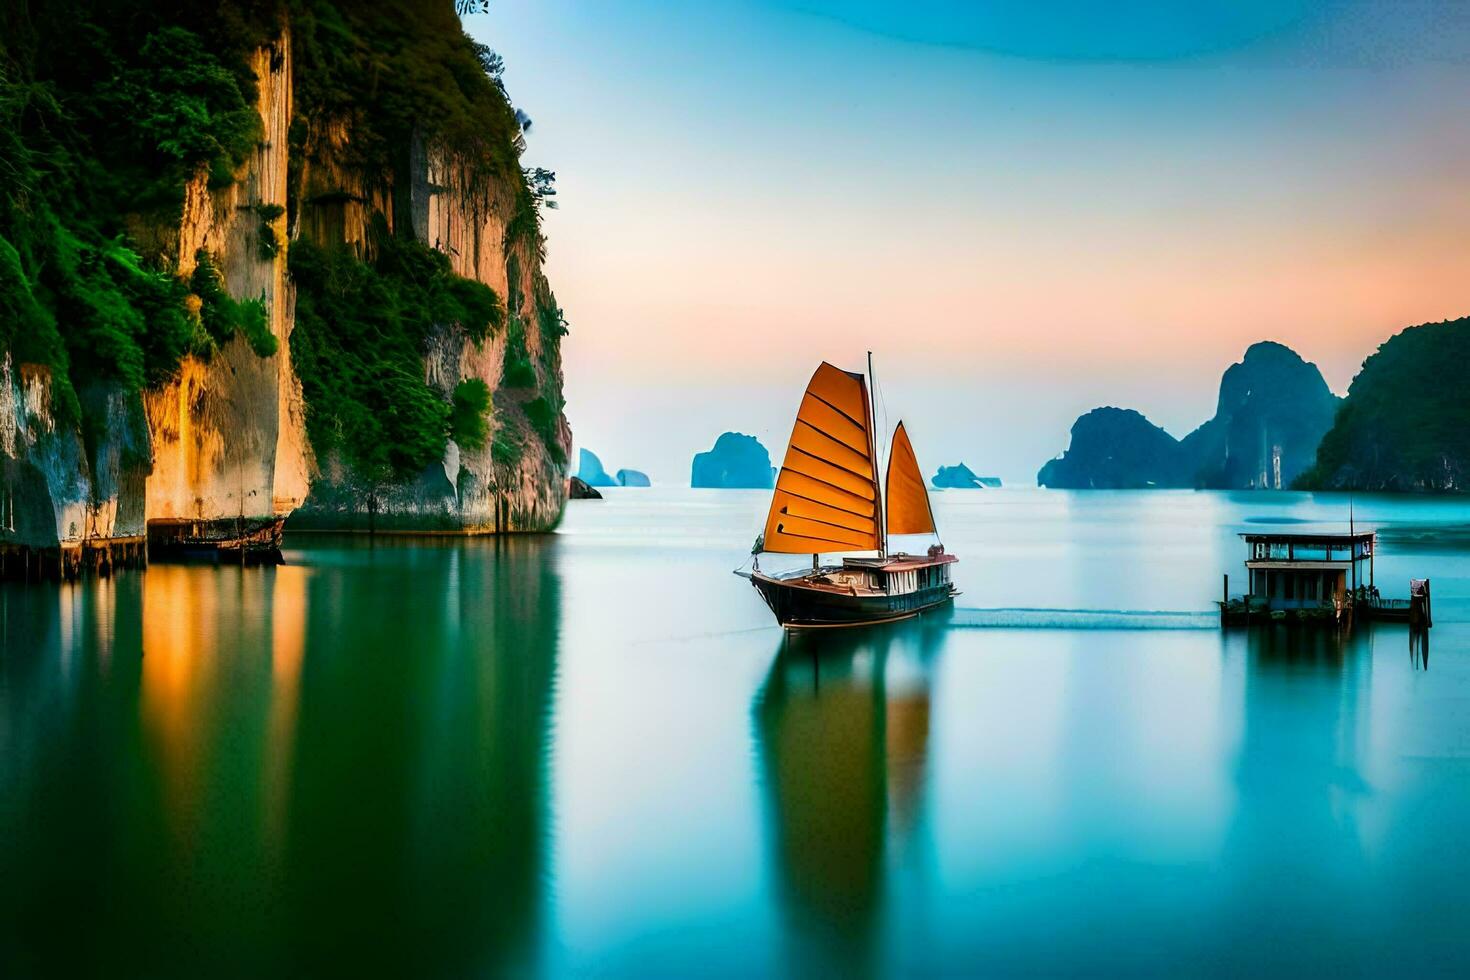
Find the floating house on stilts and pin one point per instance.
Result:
(1314, 577)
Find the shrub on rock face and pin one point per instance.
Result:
(468, 425)
(362, 323)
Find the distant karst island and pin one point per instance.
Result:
(737, 461)
(961, 477)
(1272, 411)
(590, 471)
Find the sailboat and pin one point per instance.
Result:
(828, 500)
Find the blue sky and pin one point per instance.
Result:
(1025, 209)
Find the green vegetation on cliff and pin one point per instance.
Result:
(395, 69)
(1406, 422)
(467, 425)
(111, 110)
(107, 108)
(362, 330)
(391, 79)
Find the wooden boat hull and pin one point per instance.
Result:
(799, 606)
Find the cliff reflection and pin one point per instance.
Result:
(842, 725)
(336, 766)
(417, 836)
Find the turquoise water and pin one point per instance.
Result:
(592, 752)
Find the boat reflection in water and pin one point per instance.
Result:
(842, 725)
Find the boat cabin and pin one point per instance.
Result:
(1291, 571)
(899, 574)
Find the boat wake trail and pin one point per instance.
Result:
(1082, 619)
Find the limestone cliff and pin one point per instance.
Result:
(1272, 410)
(468, 215)
(228, 433)
(63, 509)
(127, 411)
(213, 454)
(1405, 425)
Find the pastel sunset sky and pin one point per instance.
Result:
(1025, 209)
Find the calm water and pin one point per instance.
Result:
(593, 753)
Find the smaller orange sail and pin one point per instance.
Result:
(908, 500)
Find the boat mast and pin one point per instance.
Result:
(873, 456)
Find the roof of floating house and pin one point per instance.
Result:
(1308, 537)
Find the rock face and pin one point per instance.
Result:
(736, 461)
(961, 477)
(1405, 424)
(60, 513)
(1116, 449)
(215, 456)
(228, 434)
(590, 471)
(217, 453)
(1272, 410)
(468, 215)
(633, 478)
(577, 489)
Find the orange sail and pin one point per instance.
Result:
(826, 495)
(908, 500)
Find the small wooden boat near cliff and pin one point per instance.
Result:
(828, 500)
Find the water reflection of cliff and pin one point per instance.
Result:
(417, 843)
(842, 726)
(337, 766)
